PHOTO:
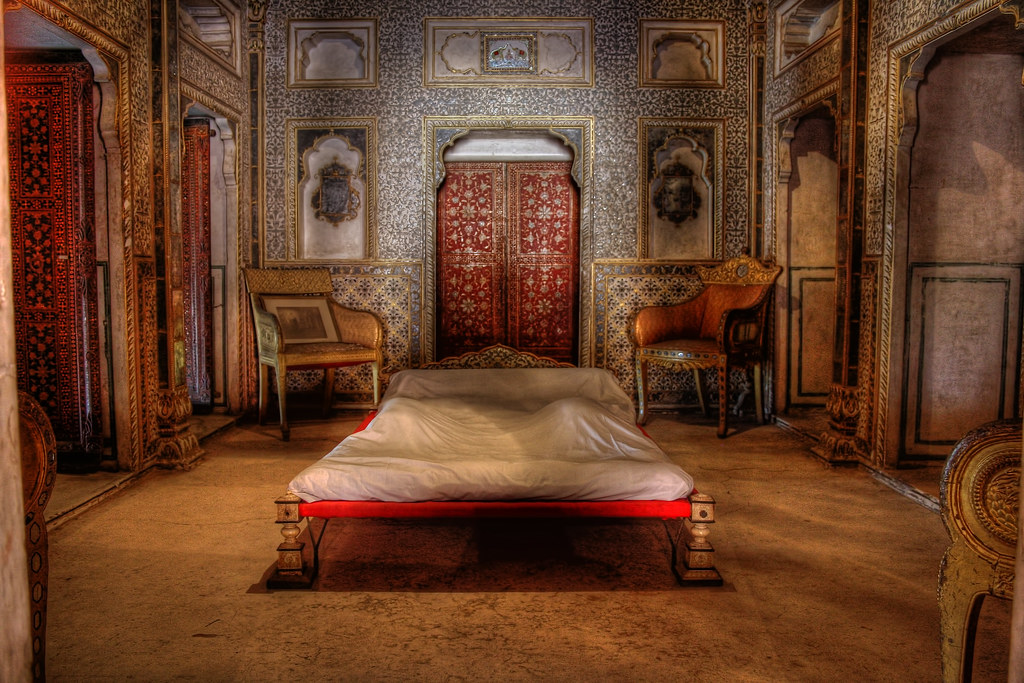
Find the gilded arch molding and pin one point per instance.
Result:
(439, 133)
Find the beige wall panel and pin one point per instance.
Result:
(962, 352)
(812, 326)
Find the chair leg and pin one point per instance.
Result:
(758, 394)
(375, 367)
(723, 399)
(264, 392)
(328, 390)
(282, 386)
(641, 390)
(699, 381)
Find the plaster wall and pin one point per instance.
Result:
(967, 175)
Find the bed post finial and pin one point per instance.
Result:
(290, 571)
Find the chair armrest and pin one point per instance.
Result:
(654, 324)
(357, 327)
(269, 339)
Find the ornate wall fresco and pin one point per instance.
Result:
(401, 101)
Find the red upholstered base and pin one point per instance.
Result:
(661, 509)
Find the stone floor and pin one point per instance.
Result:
(830, 574)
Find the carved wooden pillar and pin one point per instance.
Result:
(196, 264)
(176, 446)
(843, 404)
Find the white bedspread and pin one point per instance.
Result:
(505, 434)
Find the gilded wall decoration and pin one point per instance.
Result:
(215, 27)
(681, 188)
(682, 54)
(802, 26)
(490, 51)
(332, 53)
(332, 198)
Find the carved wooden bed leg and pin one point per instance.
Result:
(699, 556)
(291, 570)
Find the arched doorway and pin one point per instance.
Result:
(576, 133)
(956, 257)
(807, 196)
(508, 245)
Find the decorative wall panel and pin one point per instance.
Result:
(50, 122)
(490, 51)
(682, 54)
(681, 188)
(332, 189)
(332, 53)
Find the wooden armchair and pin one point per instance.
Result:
(722, 327)
(979, 497)
(299, 326)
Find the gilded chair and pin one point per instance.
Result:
(722, 327)
(38, 474)
(979, 498)
(299, 326)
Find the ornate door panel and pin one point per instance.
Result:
(508, 258)
(195, 226)
(50, 124)
(543, 259)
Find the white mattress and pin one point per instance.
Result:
(503, 434)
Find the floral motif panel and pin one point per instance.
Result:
(49, 118)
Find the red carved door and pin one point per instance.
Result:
(50, 140)
(508, 258)
(195, 228)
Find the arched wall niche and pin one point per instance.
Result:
(908, 63)
(36, 24)
(577, 133)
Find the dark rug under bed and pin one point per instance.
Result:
(373, 555)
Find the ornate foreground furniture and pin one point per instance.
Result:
(722, 327)
(299, 326)
(979, 496)
(298, 561)
(38, 473)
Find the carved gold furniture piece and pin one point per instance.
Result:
(979, 495)
(300, 327)
(722, 327)
(38, 473)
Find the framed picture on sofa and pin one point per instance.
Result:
(303, 319)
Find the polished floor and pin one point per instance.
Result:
(830, 574)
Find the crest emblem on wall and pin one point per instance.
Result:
(335, 199)
(675, 199)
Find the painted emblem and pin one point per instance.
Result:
(675, 197)
(335, 199)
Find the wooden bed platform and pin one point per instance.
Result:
(692, 553)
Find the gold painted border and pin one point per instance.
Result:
(576, 132)
(292, 179)
(293, 82)
(718, 181)
(829, 36)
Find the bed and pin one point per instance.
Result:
(497, 434)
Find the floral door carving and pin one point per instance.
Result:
(508, 258)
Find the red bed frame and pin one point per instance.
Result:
(696, 564)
